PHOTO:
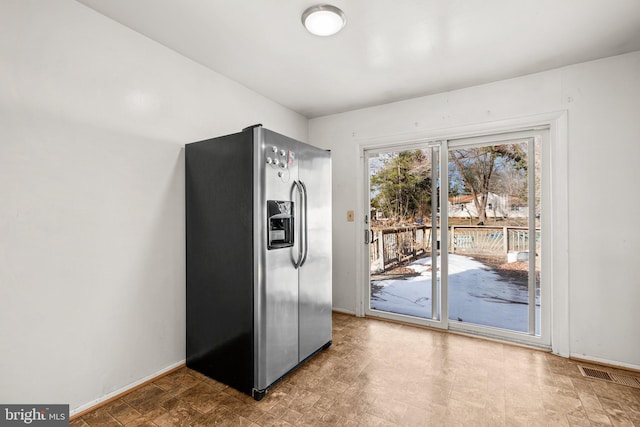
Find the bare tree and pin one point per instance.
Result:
(477, 166)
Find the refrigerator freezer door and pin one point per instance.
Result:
(315, 274)
(276, 294)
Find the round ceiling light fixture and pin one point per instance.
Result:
(323, 20)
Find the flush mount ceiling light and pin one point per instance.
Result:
(323, 20)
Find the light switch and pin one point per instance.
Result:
(350, 216)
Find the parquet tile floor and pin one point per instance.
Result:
(378, 373)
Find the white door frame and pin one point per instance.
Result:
(554, 208)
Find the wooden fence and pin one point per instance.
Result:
(395, 246)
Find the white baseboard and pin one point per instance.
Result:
(98, 402)
(606, 362)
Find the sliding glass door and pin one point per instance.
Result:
(453, 230)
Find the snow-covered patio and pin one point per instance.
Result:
(477, 294)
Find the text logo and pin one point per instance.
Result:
(34, 415)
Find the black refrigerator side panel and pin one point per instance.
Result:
(219, 264)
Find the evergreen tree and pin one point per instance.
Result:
(401, 188)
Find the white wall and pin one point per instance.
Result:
(93, 121)
(602, 101)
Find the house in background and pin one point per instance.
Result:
(94, 116)
(499, 207)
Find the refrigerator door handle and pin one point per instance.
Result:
(298, 263)
(306, 230)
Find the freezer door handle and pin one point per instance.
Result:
(298, 262)
(306, 230)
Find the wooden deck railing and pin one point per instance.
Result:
(395, 246)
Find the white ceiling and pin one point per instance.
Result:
(388, 51)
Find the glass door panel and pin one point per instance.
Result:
(403, 232)
(494, 235)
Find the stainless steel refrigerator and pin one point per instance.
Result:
(258, 247)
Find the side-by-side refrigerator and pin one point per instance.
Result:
(258, 247)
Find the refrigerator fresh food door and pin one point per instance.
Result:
(315, 272)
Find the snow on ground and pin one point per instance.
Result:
(476, 295)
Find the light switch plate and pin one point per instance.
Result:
(350, 216)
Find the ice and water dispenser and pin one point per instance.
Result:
(279, 224)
